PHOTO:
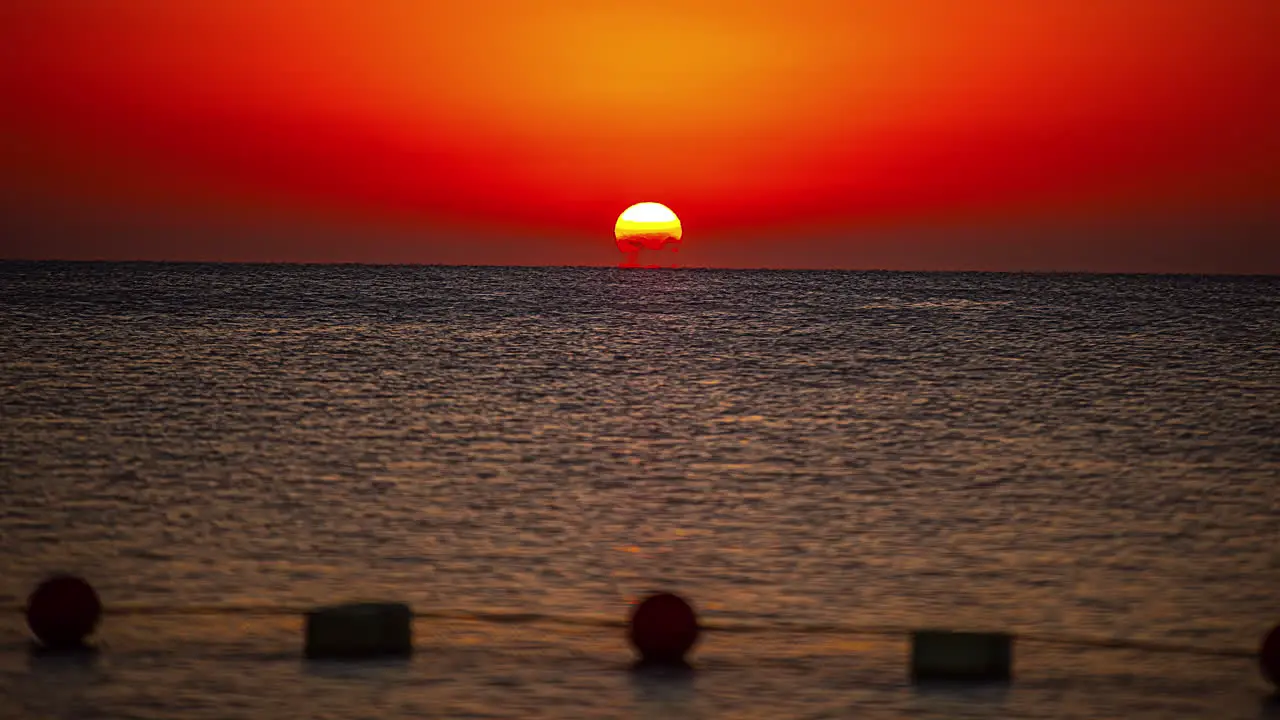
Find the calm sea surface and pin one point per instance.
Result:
(826, 459)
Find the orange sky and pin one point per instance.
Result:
(515, 131)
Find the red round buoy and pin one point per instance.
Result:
(1269, 656)
(663, 628)
(62, 611)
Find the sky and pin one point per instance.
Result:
(1057, 135)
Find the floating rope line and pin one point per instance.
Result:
(1143, 645)
(712, 626)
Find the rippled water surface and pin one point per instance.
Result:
(1078, 456)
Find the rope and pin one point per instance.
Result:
(1143, 645)
(713, 626)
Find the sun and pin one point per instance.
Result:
(646, 226)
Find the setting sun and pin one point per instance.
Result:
(646, 226)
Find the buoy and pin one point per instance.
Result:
(63, 611)
(961, 656)
(359, 630)
(663, 629)
(1269, 656)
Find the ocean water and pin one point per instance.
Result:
(820, 461)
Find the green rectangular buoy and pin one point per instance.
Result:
(359, 630)
(961, 656)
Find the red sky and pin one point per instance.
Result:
(1134, 135)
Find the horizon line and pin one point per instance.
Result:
(700, 268)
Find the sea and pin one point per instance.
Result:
(820, 462)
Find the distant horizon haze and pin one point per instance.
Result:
(1197, 246)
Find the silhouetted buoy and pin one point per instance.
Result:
(63, 611)
(359, 630)
(663, 629)
(961, 656)
(1269, 656)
